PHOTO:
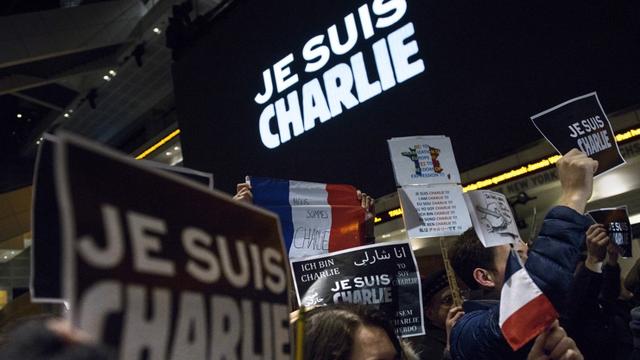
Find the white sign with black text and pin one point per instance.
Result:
(430, 211)
(492, 218)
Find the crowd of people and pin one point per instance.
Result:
(598, 313)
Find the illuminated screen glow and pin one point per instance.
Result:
(311, 90)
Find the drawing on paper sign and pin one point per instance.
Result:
(418, 153)
(492, 218)
(413, 156)
(434, 159)
(495, 216)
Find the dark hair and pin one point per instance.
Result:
(467, 254)
(330, 330)
(33, 340)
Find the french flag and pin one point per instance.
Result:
(316, 218)
(524, 310)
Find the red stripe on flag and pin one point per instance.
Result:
(529, 321)
(347, 217)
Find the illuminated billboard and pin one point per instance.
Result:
(311, 90)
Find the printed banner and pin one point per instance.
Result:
(582, 124)
(616, 221)
(185, 272)
(46, 245)
(492, 218)
(430, 211)
(423, 160)
(384, 275)
(316, 218)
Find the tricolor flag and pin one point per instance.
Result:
(524, 310)
(316, 218)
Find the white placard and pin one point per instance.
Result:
(437, 210)
(492, 218)
(423, 160)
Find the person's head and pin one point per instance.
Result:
(349, 332)
(437, 298)
(50, 338)
(479, 267)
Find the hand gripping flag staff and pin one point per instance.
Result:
(524, 309)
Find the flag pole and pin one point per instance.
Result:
(299, 353)
(451, 275)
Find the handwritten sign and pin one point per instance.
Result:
(437, 210)
(492, 218)
(185, 272)
(423, 160)
(384, 275)
(316, 218)
(582, 124)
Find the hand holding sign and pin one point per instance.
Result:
(576, 172)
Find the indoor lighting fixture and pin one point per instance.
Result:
(634, 219)
(18, 115)
(176, 148)
(155, 146)
(157, 30)
(112, 72)
(107, 78)
(66, 115)
(168, 153)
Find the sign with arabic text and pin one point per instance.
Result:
(383, 275)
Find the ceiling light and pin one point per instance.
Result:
(70, 111)
(157, 30)
(66, 115)
(18, 115)
(107, 78)
(168, 153)
(112, 72)
(38, 142)
(176, 148)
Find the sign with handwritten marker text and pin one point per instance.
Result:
(383, 275)
(492, 218)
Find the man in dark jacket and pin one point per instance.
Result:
(551, 263)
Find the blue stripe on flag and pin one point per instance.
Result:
(273, 194)
(513, 265)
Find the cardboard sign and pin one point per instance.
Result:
(582, 124)
(616, 221)
(316, 218)
(164, 266)
(384, 275)
(423, 160)
(46, 245)
(430, 211)
(492, 218)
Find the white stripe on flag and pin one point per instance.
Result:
(516, 293)
(311, 217)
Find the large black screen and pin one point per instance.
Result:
(352, 74)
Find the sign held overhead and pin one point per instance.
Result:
(582, 124)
